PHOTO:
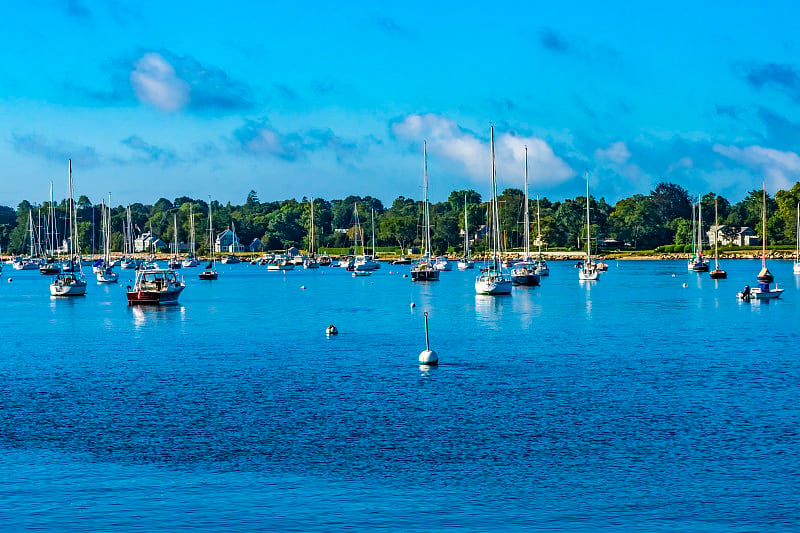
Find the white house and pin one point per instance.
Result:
(741, 236)
(228, 242)
(147, 242)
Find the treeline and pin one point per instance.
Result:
(662, 217)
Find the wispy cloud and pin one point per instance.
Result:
(779, 76)
(56, 150)
(553, 41)
(391, 27)
(150, 152)
(448, 140)
(578, 47)
(729, 111)
(75, 8)
(778, 167)
(258, 137)
(171, 82)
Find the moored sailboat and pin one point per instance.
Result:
(796, 265)
(717, 273)
(465, 263)
(697, 263)
(191, 261)
(70, 280)
(764, 277)
(106, 274)
(311, 260)
(493, 281)
(423, 270)
(524, 272)
(588, 269)
(210, 273)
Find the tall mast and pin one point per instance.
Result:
(30, 231)
(527, 215)
(538, 228)
(716, 235)
(73, 245)
(699, 224)
(426, 206)
(495, 210)
(466, 229)
(764, 225)
(311, 235)
(373, 233)
(588, 237)
(210, 233)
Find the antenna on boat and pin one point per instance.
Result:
(428, 356)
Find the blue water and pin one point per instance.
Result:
(628, 404)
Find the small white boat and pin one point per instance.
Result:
(587, 270)
(68, 284)
(70, 281)
(360, 273)
(280, 264)
(465, 264)
(442, 264)
(762, 292)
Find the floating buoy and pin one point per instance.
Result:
(303, 287)
(428, 356)
(413, 305)
(685, 285)
(331, 330)
(10, 280)
(673, 275)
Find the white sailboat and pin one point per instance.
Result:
(51, 266)
(493, 281)
(697, 263)
(764, 277)
(588, 270)
(423, 270)
(311, 260)
(796, 266)
(210, 273)
(362, 262)
(28, 263)
(70, 281)
(465, 263)
(106, 273)
(191, 261)
(524, 272)
(541, 265)
(174, 261)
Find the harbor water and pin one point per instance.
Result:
(633, 403)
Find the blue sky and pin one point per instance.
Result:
(327, 99)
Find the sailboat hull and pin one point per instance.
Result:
(718, 274)
(74, 288)
(424, 275)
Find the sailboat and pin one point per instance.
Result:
(361, 262)
(106, 274)
(50, 267)
(717, 273)
(70, 281)
(210, 272)
(465, 263)
(524, 272)
(698, 263)
(191, 261)
(311, 260)
(29, 263)
(423, 270)
(588, 270)
(796, 266)
(493, 281)
(765, 277)
(174, 261)
(541, 265)
(128, 260)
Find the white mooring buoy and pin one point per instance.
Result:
(331, 330)
(413, 305)
(428, 356)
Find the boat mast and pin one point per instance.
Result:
(538, 228)
(588, 239)
(311, 235)
(30, 231)
(175, 236)
(466, 230)
(700, 225)
(426, 206)
(373, 234)
(527, 214)
(210, 233)
(73, 245)
(716, 235)
(495, 211)
(764, 225)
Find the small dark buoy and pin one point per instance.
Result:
(428, 356)
(331, 330)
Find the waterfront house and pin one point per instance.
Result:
(733, 235)
(147, 242)
(228, 242)
(257, 245)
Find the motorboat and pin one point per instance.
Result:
(155, 287)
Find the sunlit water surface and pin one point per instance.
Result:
(631, 403)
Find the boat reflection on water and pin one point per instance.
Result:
(489, 309)
(144, 315)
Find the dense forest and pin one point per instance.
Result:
(639, 222)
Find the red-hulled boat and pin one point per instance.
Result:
(155, 287)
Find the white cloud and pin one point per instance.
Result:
(154, 81)
(779, 169)
(447, 139)
(616, 152)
